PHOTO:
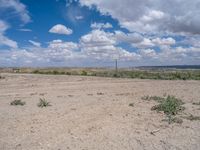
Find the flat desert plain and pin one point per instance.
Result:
(93, 113)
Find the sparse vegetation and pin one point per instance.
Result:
(155, 98)
(131, 104)
(43, 103)
(170, 119)
(192, 118)
(122, 73)
(100, 93)
(198, 103)
(17, 102)
(170, 105)
(146, 97)
(1, 77)
(84, 73)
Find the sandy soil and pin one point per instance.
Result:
(92, 113)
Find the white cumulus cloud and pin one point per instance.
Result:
(102, 45)
(61, 29)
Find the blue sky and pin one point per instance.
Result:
(96, 32)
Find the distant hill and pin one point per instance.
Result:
(171, 67)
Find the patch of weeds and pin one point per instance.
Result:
(55, 72)
(100, 93)
(68, 73)
(177, 120)
(155, 98)
(43, 103)
(36, 71)
(1, 77)
(17, 102)
(131, 104)
(116, 75)
(198, 103)
(170, 106)
(84, 73)
(192, 118)
(171, 119)
(165, 94)
(146, 97)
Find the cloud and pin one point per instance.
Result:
(59, 44)
(15, 7)
(37, 44)
(145, 43)
(69, 2)
(149, 42)
(101, 25)
(56, 53)
(101, 45)
(93, 51)
(79, 17)
(5, 41)
(61, 29)
(194, 41)
(3, 26)
(128, 37)
(180, 54)
(74, 13)
(25, 30)
(60, 51)
(155, 16)
(165, 41)
(148, 53)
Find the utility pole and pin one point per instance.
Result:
(116, 66)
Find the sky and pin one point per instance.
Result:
(94, 33)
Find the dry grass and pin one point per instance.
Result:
(17, 103)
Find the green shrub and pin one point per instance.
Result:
(43, 103)
(68, 73)
(170, 105)
(17, 102)
(84, 73)
(36, 71)
(55, 72)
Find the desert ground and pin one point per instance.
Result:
(94, 113)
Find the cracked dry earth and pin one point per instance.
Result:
(93, 113)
